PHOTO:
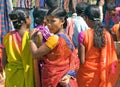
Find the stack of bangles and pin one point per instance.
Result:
(31, 40)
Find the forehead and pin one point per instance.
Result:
(52, 17)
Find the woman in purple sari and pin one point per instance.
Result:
(39, 20)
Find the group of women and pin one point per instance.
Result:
(46, 57)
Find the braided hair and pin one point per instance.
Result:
(93, 13)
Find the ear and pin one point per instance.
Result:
(62, 21)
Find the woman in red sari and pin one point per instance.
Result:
(99, 64)
(60, 61)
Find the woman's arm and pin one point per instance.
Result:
(39, 52)
(81, 53)
(4, 58)
(44, 49)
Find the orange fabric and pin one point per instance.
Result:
(101, 65)
(115, 31)
(58, 63)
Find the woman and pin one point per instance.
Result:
(17, 60)
(60, 61)
(40, 22)
(112, 15)
(116, 31)
(99, 64)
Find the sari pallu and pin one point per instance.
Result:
(19, 69)
(101, 65)
(59, 62)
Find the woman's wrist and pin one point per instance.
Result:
(31, 40)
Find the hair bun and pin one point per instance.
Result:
(13, 17)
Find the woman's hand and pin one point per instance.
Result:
(101, 2)
(65, 80)
(33, 33)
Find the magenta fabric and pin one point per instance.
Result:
(115, 18)
(80, 37)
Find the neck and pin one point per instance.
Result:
(61, 31)
(22, 30)
(91, 24)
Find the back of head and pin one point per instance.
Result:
(92, 12)
(18, 17)
(110, 6)
(39, 14)
(80, 7)
(51, 3)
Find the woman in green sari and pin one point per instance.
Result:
(17, 60)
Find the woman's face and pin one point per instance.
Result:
(54, 24)
(112, 12)
(28, 21)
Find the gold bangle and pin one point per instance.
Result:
(31, 40)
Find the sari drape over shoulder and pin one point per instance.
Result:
(115, 30)
(101, 65)
(61, 61)
(19, 69)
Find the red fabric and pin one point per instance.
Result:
(70, 28)
(58, 63)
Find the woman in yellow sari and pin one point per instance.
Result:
(17, 60)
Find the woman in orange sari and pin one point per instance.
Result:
(99, 64)
(116, 31)
(60, 61)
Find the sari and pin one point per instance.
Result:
(101, 65)
(19, 69)
(61, 61)
(115, 30)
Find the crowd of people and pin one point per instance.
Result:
(63, 50)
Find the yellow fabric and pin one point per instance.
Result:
(52, 41)
(19, 69)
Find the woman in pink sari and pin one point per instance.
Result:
(60, 61)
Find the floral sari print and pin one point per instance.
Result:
(101, 65)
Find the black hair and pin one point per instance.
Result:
(93, 13)
(39, 14)
(59, 13)
(110, 6)
(51, 3)
(80, 7)
(18, 16)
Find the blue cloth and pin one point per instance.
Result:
(31, 15)
(71, 73)
(5, 23)
(79, 25)
(71, 46)
(42, 3)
